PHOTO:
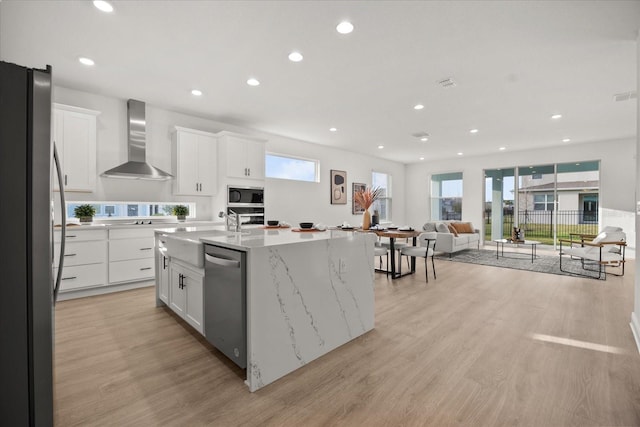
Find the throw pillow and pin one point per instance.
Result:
(452, 230)
(463, 227)
(429, 226)
(442, 228)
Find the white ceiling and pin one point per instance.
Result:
(515, 63)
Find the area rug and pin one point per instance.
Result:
(522, 261)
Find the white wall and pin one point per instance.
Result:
(285, 200)
(617, 175)
(635, 316)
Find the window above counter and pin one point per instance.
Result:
(132, 210)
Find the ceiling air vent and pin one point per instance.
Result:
(422, 135)
(625, 96)
(447, 83)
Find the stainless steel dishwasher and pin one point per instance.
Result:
(225, 302)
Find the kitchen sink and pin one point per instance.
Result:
(185, 249)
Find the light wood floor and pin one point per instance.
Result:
(457, 351)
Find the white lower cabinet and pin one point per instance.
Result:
(186, 286)
(131, 255)
(162, 272)
(85, 259)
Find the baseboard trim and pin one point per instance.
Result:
(635, 328)
(100, 290)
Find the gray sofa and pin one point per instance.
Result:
(447, 242)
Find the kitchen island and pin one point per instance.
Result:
(307, 293)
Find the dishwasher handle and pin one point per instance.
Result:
(222, 261)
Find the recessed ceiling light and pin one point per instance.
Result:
(102, 5)
(380, 147)
(424, 139)
(566, 140)
(333, 129)
(421, 158)
(86, 61)
(196, 92)
(253, 82)
(295, 57)
(460, 154)
(556, 116)
(502, 148)
(473, 131)
(345, 27)
(418, 107)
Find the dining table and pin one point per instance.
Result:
(393, 235)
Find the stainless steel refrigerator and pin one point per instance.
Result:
(28, 286)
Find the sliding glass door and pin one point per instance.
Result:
(499, 203)
(549, 202)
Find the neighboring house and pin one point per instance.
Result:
(578, 196)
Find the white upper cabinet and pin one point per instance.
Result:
(244, 155)
(74, 132)
(194, 162)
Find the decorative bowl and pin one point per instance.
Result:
(306, 225)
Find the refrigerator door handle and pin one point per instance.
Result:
(63, 234)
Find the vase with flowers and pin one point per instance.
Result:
(365, 198)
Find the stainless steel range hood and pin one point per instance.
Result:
(137, 166)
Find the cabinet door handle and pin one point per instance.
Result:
(69, 254)
(164, 262)
(65, 179)
(69, 278)
(145, 268)
(145, 249)
(180, 284)
(71, 235)
(196, 186)
(249, 169)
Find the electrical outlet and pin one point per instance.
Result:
(343, 265)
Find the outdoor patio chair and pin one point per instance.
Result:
(607, 249)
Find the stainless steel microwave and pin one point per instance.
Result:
(245, 196)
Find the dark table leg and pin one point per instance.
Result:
(413, 259)
(392, 248)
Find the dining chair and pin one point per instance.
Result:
(397, 246)
(380, 251)
(426, 248)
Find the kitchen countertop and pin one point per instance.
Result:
(252, 238)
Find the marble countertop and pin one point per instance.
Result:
(252, 237)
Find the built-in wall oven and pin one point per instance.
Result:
(247, 202)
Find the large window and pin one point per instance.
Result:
(116, 210)
(551, 201)
(294, 168)
(446, 196)
(543, 202)
(383, 204)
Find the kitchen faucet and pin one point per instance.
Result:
(235, 218)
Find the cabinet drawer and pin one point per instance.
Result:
(74, 235)
(129, 233)
(78, 253)
(126, 249)
(132, 270)
(82, 276)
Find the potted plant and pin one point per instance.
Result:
(365, 198)
(84, 212)
(181, 211)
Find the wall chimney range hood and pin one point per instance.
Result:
(137, 166)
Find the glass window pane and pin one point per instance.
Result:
(286, 167)
(131, 210)
(446, 196)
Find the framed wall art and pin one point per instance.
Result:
(356, 208)
(338, 187)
